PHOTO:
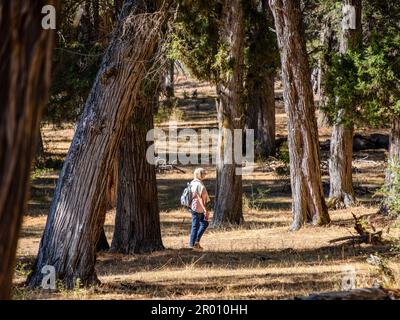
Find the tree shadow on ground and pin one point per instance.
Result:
(282, 273)
(243, 281)
(115, 264)
(250, 286)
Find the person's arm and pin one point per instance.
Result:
(202, 202)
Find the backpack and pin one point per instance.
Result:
(186, 197)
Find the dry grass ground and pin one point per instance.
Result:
(259, 260)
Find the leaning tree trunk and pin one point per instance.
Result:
(340, 162)
(308, 202)
(228, 200)
(137, 220)
(74, 223)
(25, 62)
(393, 163)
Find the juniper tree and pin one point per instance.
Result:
(201, 43)
(341, 192)
(308, 203)
(364, 81)
(74, 224)
(137, 218)
(378, 86)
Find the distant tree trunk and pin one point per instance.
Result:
(323, 63)
(393, 160)
(260, 77)
(74, 224)
(96, 19)
(228, 200)
(40, 146)
(156, 102)
(102, 244)
(39, 152)
(341, 194)
(85, 27)
(112, 187)
(261, 116)
(25, 54)
(267, 137)
(308, 202)
(340, 162)
(110, 201)
(137, 220)
(169, 78)
(394, 147)
(118, 7)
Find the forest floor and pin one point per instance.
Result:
(259, 260)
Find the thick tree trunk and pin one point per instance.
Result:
(341, 194)
(340, 163)
(393, 161)
(74, 224)
(137, 220)
(308, 202)
(25, 62)
(228, 200)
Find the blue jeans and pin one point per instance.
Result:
(199, 225)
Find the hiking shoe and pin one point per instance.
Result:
(197, 246)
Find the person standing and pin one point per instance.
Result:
(198, 209)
